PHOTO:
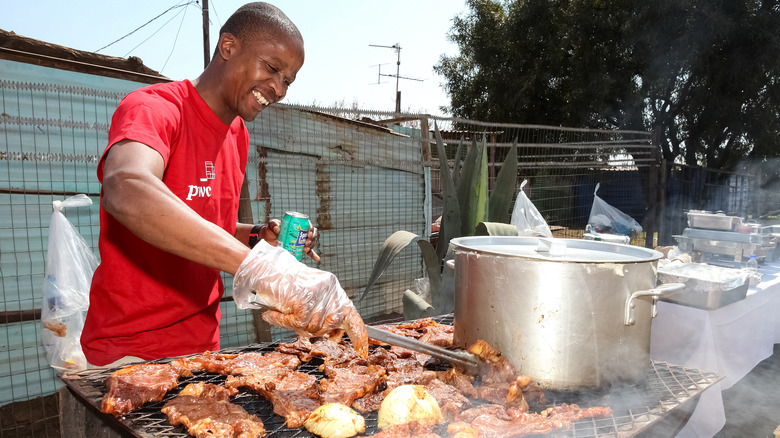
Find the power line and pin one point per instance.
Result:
(153, 34)
(214, 8)
(143, 25)
(174, 40)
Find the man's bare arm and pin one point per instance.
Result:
(134, 194)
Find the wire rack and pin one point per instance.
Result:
(667, 388)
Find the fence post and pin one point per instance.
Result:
(425, 143)
(660, 188)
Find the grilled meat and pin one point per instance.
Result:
(412, 429)
(205, 410)
(493, 423)
(345, 385)
(243, 363)
(294, 397)
(134, 385)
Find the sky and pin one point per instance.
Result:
(342, 67)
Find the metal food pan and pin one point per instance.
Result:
(712, 221)
(706, 287)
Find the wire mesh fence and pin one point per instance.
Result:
(563, 166)
(360, 176)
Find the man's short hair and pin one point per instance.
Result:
(259, 19)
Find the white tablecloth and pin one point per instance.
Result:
(729, 341)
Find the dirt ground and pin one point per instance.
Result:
(36, 418)
(753, 404)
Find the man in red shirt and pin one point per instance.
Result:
(171, 177)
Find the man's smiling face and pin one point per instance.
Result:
(260, 72)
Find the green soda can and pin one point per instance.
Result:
(292, 235)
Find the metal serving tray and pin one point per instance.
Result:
(728, 236)
(712, 221)
(736, 250)
(706, 287)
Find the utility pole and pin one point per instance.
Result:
(206, 54)
(397, 75)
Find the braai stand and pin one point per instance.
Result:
(79, 418)
(656, 406)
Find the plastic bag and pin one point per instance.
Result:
(526, 218)
(606, 219)
(69, 268)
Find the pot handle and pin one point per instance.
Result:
(655, 294)
(450, 263)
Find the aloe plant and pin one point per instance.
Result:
(466, 204)
(465, 191)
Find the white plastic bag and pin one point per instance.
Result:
(606, 219)
(526, 218)
(69, 268)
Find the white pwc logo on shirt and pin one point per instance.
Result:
(202, 191)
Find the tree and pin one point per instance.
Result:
(705, 71)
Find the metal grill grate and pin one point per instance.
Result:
(636, 408)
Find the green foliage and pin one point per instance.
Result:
(705, 72)
(450, 228)
(394, 245)
(501, 198)
(466, 198)
(472, 189)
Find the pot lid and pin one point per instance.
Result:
(565, 250)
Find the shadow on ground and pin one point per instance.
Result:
(753, 404)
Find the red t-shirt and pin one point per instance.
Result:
(146, 302)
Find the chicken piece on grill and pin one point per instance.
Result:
(208, 390)
(252, 363)
(399, 372)
(356, 330)
(130, 387)
(332, 352)
(405, 353)
(301, 347)
(460, 429)
(572, 412)
(464, 382)
(495, 367)
(500, 382)
(208, 361)
(498, 411)
(293, 394)
(345, 385)
(450, 400)
(498, 422)
(412, 429)
(425, 330)
(258, 379)
(369, 403)
(295, 397)
(205, 410)
(439, 334)
(242, 363)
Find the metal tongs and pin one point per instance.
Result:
(460, 358)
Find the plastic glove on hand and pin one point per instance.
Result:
(296, 297)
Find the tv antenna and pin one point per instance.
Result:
(397, 48)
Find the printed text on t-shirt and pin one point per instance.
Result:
(199, 192)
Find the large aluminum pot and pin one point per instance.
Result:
(572, 314)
